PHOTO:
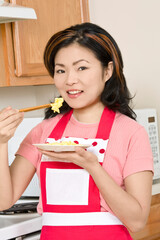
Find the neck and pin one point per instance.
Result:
(89, 115)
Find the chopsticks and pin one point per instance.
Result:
(35, 108)
(54, 106)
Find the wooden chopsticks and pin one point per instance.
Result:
(35, 108)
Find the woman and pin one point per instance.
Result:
(93, 194)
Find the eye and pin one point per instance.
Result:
(60, 71)
(82, 68)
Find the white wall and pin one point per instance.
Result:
(135, 26)
(29, 96)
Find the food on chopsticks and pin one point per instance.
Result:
(54, 106)
(57, 104)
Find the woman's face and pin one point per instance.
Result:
(79, 76)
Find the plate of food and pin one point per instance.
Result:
(64, 146)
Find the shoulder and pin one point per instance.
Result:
(126, 130)
(129, 145)
(126, 125)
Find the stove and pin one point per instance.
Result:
(21, 221)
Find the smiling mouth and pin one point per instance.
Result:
(74, 92)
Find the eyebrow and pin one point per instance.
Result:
(76, 62)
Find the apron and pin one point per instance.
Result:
(70, 198)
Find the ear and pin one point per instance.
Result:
(108, 71)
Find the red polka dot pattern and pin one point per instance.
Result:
(94, 144)
(102, 151)
(97, 146)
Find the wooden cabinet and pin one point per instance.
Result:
(22, 43)
(152, 228)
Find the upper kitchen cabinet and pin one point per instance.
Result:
(22, 43)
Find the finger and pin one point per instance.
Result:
(67, 156)
(57, 155)
(8, 127)
(47, 153)
(11, 117)
(16, 123)
(80, 151)
(8, 131)
(5, 109)
(7, 113)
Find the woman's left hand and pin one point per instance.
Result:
(80, 157)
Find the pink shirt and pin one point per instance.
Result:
(128, 149)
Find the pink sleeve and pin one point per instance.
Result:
(38, 134)
(139, 156)
(27, 150)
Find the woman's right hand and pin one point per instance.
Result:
(9, 121)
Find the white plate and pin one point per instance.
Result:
(61, 148)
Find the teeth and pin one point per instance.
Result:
(73, 92)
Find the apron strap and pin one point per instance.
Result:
(105, 124)
(104, 127)
(61, 125)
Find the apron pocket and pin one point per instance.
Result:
(67, 186)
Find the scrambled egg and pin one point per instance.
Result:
(63, 143)
(57, 104)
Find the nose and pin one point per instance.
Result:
(71, 78)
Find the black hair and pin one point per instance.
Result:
(115, 95)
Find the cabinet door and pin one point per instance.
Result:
(2, 65)
(31, 36)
